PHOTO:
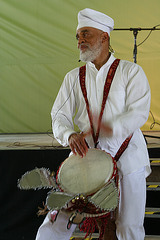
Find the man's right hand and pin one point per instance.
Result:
(78, 144)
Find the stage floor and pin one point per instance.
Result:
(47, 141)
(28, 141)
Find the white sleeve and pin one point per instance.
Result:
(63, 111)
(137, 103)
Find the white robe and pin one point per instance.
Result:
(126, 110)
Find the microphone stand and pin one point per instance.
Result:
(135, 32)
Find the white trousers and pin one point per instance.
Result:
(130, 218)
(129, 223)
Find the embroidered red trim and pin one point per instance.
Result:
(122, 148)
(109, 78)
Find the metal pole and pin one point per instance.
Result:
(135, 32)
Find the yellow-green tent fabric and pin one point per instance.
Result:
(38, 47)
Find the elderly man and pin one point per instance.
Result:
(105, 126)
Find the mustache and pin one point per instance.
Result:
(84, 45)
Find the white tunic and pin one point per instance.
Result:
(126, 110)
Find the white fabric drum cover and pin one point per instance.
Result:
(85, 175)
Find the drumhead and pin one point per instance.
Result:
(85, 175)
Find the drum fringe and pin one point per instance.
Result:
(43, 211)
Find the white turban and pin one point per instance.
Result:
(91, 18)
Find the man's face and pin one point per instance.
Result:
(89, 43)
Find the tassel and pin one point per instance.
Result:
(88, 226)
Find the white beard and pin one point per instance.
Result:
(91, 53)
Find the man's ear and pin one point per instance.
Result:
(105, 37)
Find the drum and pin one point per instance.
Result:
(85, 175)
(87, 184)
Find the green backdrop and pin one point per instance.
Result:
(38, 47)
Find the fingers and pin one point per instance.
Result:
(78, 144)
(77, 141)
